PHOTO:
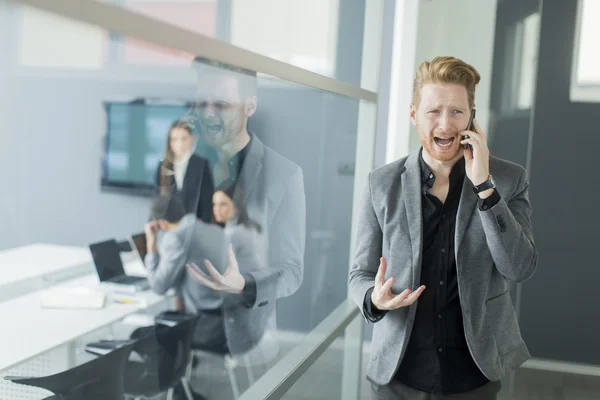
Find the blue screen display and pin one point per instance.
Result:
(136, 140)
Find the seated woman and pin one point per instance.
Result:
(244, 234)
(184, 173)
(249, 327)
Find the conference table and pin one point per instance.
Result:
(31, 333)
(36, 266)
(32, 267)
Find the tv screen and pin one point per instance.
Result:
(135, 143)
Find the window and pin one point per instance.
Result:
(588, 61)
(199, 16)
(48, 44)
(521, 64)
(292, 32)
(527, 72)
(302, 33)
(585, 82)
(51, 41)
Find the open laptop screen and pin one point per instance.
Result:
(107, 259)
(139, 241)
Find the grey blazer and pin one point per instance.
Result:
(249, 246)
(273, 191)
(250, 331)
(191, 242)
(273, 194)
(492, 248)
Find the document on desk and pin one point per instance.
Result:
(73, 298)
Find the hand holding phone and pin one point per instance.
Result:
(469, 128)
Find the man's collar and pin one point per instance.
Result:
(428, 177)
(238, 158)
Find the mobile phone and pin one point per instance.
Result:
(469, 128)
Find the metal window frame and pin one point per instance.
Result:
(581, 93)
(283, 375)
(128, 23)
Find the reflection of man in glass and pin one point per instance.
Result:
(225, 101)
(270, 186)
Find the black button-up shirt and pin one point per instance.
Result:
(235, 165)
(437, 358)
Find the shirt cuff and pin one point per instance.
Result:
(372, 314)
(490, 201)
(151, 261)
(249, 291)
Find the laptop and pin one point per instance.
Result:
(139, 241)
(107, 259)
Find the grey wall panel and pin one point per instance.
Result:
(560, 317)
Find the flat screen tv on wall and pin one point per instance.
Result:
(135, 142)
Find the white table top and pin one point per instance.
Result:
(30, 330)
(39, 259)
(33, 267)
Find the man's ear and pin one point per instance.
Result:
(251, 105)
(413, 114)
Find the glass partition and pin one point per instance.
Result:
(316, 35)
(229, 192)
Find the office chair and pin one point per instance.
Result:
(99, 379)
(229, 363)
(162, 356)
(166, 354)
(245, 361)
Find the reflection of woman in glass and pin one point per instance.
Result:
(249, 328)
(183, 172)
(226, 210)
(243, 233)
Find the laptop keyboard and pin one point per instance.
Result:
(126, 280)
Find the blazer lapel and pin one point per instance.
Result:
(252, 167)
(193, 173)
(466, 207)
(411, 192)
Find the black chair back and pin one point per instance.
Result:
(165, 351)
(99, 379)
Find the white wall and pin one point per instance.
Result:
(52, 127)
(463, 29)
(402, 75)
(429, 28)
